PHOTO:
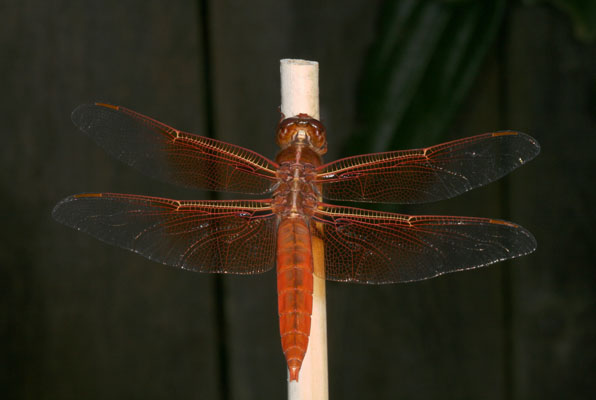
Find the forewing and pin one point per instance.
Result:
(173, 156)
(429, 174)
(206, 236)
(377, 247)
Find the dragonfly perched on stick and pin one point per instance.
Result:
(253, 236)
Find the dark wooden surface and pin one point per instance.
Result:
(85, 320)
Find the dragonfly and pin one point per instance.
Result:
(254, 236)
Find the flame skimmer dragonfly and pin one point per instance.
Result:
(252, 236)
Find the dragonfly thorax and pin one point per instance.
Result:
(296, 193)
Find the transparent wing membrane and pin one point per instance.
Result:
(429, 174)
(173, 156)
(206, 236)
(378, 247)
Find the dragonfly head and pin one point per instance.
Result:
(302, 129)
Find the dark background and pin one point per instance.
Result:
(81, 319)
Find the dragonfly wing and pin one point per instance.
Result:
(429, 174)
(206, 236)
(173, 156)
(378, 247)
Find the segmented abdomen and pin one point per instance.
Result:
(294, 289)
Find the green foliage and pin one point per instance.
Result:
(419, 70)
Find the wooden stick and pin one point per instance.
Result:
(299, 87)
(300, 94)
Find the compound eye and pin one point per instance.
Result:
(318, 137)
(285, 131)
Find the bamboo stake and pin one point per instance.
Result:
(300, 94)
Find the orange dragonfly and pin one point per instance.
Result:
(252, 236)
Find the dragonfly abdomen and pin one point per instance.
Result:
(294, 289)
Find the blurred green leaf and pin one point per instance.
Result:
(582, 14)
(426, 56)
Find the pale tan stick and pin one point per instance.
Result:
(300, 94)
(299, 87)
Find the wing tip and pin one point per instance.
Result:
(531, 141)
(57, 211)
(80, 118)
(59, 207)
(527, 139)
(528, 243)
(76, 115)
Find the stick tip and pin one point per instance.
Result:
(299, 87)
(297, 61)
